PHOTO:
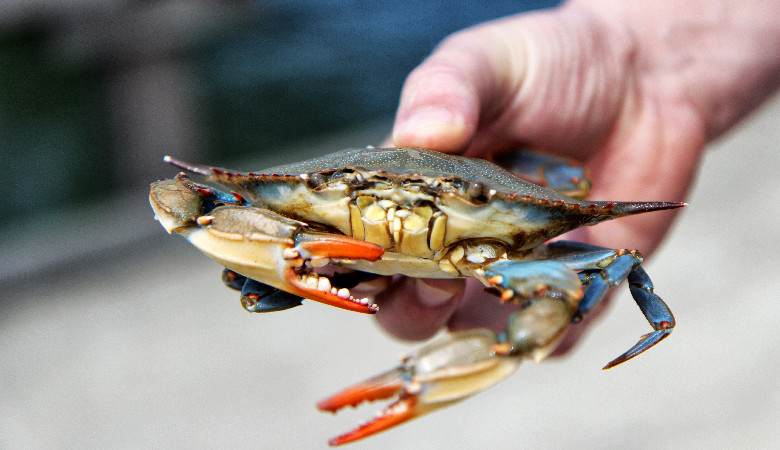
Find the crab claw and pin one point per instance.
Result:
(320, 248)
(438, 375)
(260, 244)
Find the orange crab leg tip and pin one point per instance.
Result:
(339, 247)
(399, 412)
(377, 388)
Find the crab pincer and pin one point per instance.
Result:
(455, 367)
(259, 244)
(465, 363)
(438, 375)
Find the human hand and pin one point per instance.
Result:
(596, 82)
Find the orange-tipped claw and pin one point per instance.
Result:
(384, 386)
(337, 246)
(380, 387)
(442, 373)
(340, 298)
(399, 412)
(324, 246)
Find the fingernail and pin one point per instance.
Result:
(431, 120)
(431, 294)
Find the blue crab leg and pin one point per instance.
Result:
(560, 174)
(655, 310)
(259, 297)
(598, 282)
(601, 268)
(549, 292)
(440, 374)
(233, 280)
(208, 193)
(521, 281)
(604, 268)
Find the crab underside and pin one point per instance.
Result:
(315, 229)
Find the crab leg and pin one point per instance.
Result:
(260, 297)
(261, 245)
(233, 280)
(520, 281)
(598, 282)
(257, 296)
(560, 174)
(655, 310)
(603, 268)
(549, 292)
(381, 387)
(320, 248)
(438, 375)
(466, 363)
(280, 262)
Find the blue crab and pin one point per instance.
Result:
(377, 212)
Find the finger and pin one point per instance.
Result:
(442, 98)
(416, 309)
(655, 159)
(371, 288)
(478, 309)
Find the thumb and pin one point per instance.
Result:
(555, 80)
(443, 99)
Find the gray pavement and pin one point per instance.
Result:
(143, 347)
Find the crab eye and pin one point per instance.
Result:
(475, 190)
(315, 180)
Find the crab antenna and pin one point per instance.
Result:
(189, 167)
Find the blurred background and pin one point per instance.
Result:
(113, 334)
(94, 92)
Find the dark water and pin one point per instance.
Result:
(299, 68)
(286, 70)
